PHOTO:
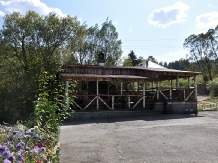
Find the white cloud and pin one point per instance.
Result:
(2, 13)
(164, 17)
(208, 20)
(23, 6)
(209, 5)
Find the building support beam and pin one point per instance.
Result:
(67, 94)
(157, 90)
(97, 100)
(121, 89)
(112, 102)
(128, 102)
(195, 86)
(144, 96)
(184, 94)
(177, 82)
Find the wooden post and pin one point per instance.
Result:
(108, 91)
(128, 102)
(97, 95)
(195, 86)
(144, 96)
(157, 90)
(87, 87)
(137, 89)
(112, 102)
(66, 93)
(177, 82)
(184, 94)
(121, 89)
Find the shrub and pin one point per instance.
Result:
(213, 87)
(51, 108)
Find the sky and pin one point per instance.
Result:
(155, 28)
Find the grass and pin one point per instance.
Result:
(209, 104)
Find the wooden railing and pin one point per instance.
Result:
(207, 105)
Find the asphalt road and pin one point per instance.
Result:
(142, 139)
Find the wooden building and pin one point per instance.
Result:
(113, 88)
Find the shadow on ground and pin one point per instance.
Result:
(155, 117)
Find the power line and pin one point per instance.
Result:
(153, 40)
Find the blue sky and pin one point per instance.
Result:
(157, 27)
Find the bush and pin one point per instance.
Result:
(51, 108)
(38, 144)
(212, 86)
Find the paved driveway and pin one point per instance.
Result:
(151, 138)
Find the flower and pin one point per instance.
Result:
(2, 149)
(20, 145)
(11, 146)
(7, 161)
(19, 155)
(10, 138)
(14, 132)
(6, 154)
(43, 149)
(45, 72)
(36, 149)
(11, 158)
(28, 149)
(42, 157)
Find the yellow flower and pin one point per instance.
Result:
(45, 72)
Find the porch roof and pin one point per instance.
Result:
(106, 73)
(99, 77)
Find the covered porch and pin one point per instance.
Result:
(127, 90)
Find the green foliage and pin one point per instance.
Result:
(203, 51)
(51, 108)
(132, 60)
(29, 45)
(183, 82)
(27, 145)
(213, 87)
(95, 39)
(127, 62)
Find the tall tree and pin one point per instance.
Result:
(134, 58)
(29, 45)
(109, 44)
(200, 52)
(94, 40)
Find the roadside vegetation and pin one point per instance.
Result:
(36, 140)
(33, 50)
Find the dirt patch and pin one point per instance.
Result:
(203, 97)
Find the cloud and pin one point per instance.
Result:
(164, 17)
(209, 5)
(2, 13)
(23, 6)
(208, 20)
